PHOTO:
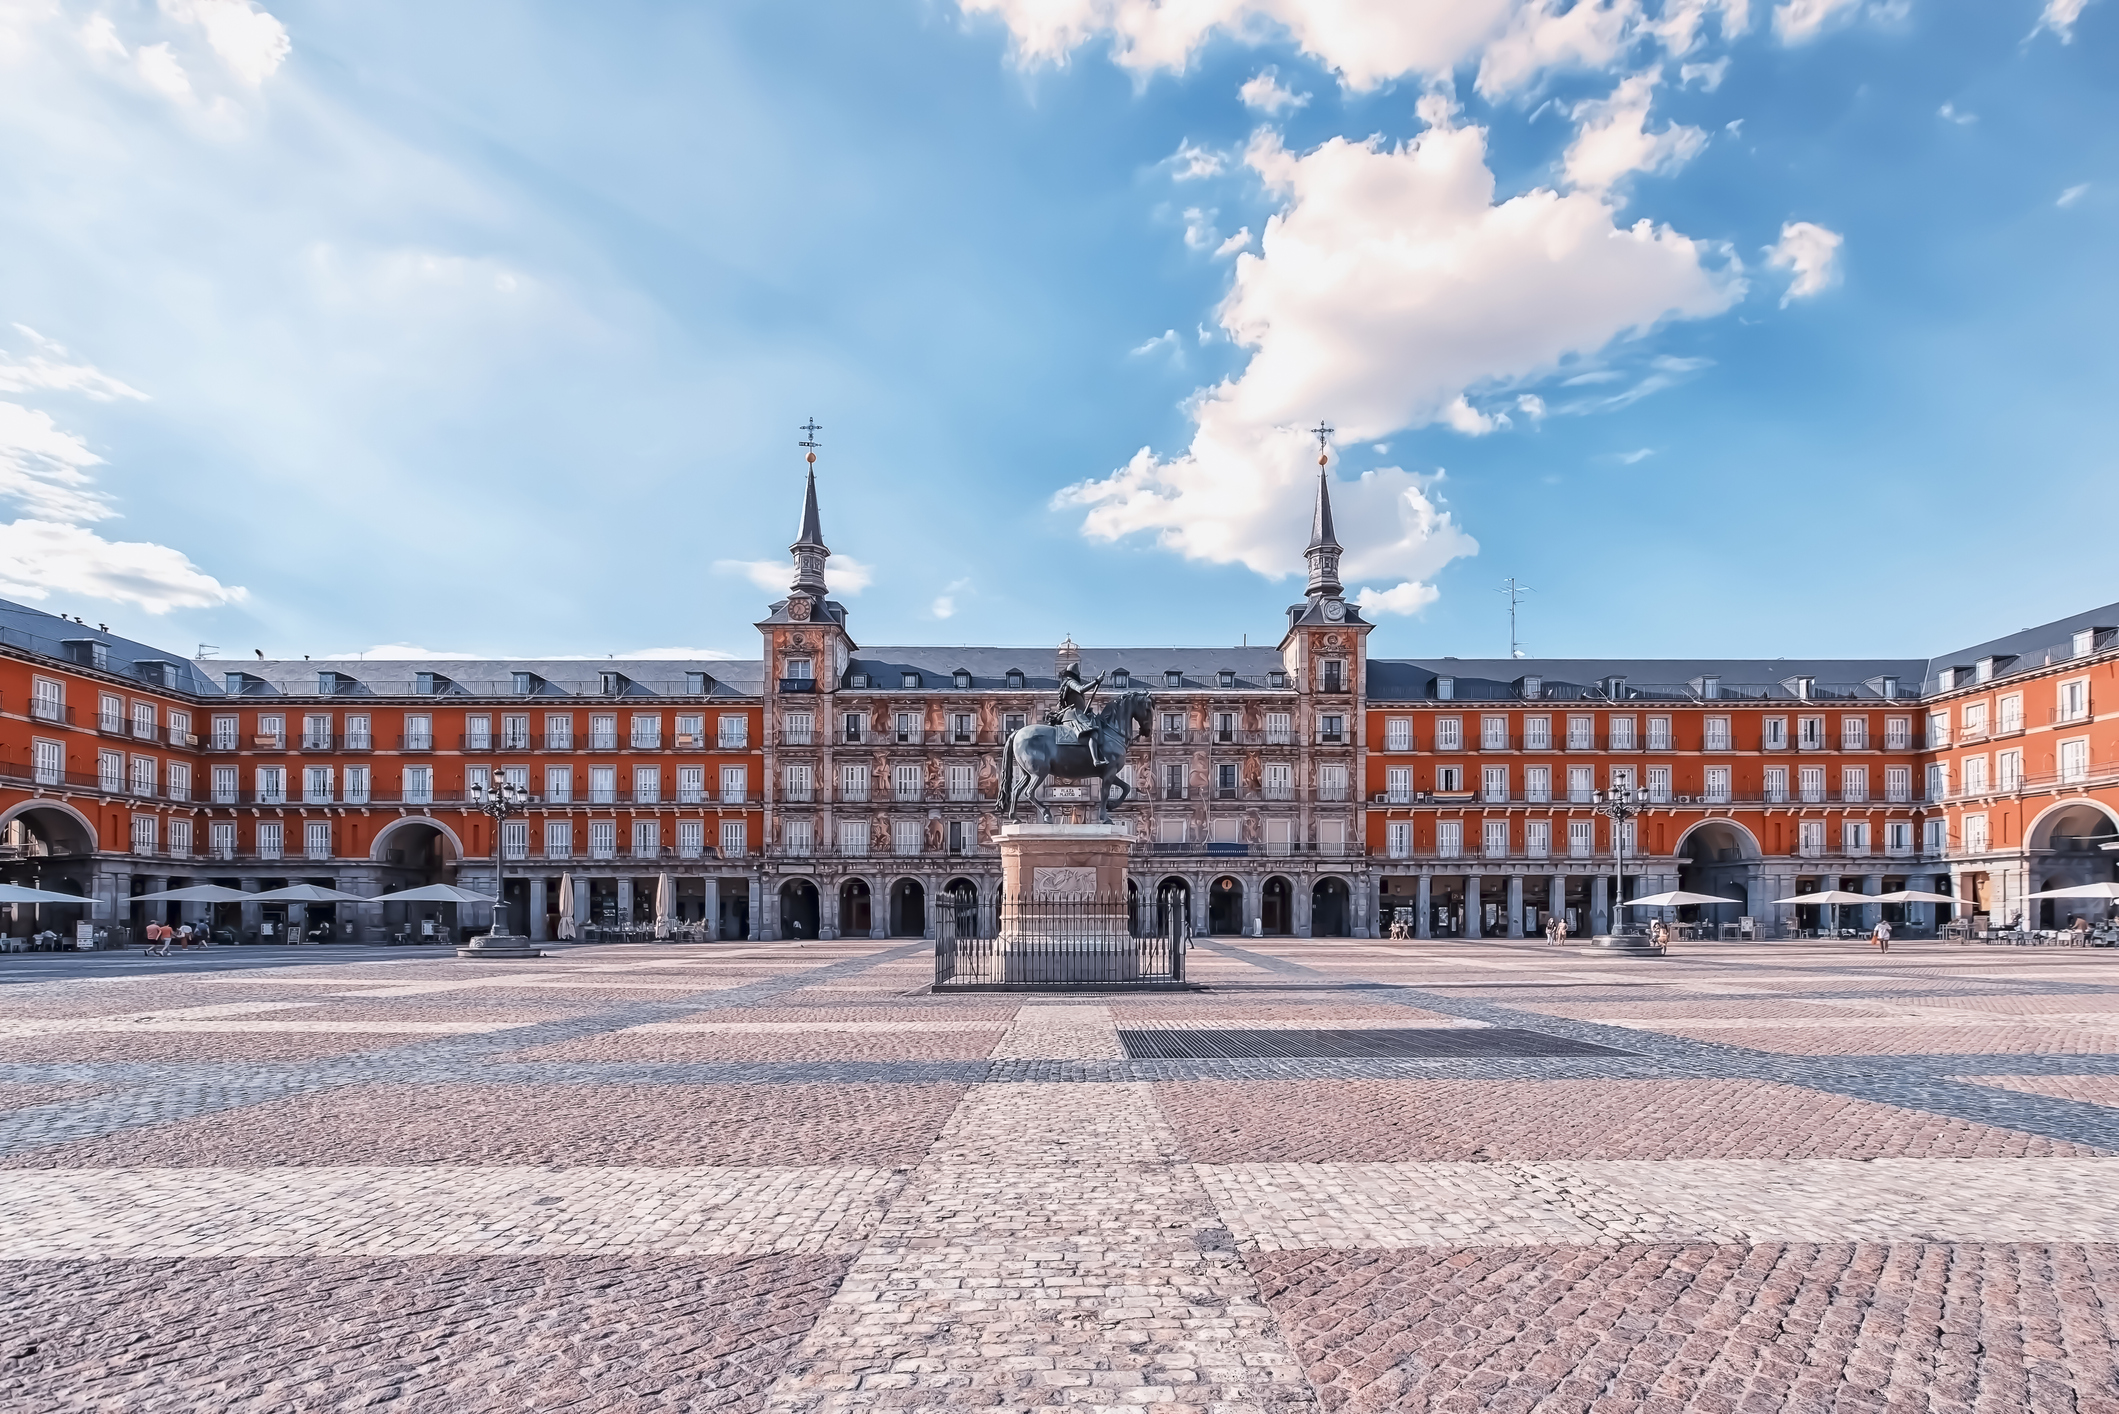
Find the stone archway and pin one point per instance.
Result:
(2066, 847)
(1173, 897)
(1718, 857)
(48, 845)
(798, 909)
(856, 909)
(1276, 908)
(908, 909)
(1331, 910)
(1225, 907)
(960, 896)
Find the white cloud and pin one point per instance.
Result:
(44, 469)
(1812, 252)
(250, 41)
(1679, 26)
(1263, 92)
(944, 606)
(1531, 406)
(39, 557)
(1191, 162)
(2059, 16)
(162, 73)
(1613, 140)
(47, 370)
(845, 574)
(2072, 195)
(1707, 76)
(1388, 288)
(1167, 339)
(1407, 598)
(100, 36)
(1240, 241)
(1199, 228)
(1799, 21)
(1367, 42)
(1631, 458)
(1949, 114)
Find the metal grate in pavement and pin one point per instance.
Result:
(1397, 1043)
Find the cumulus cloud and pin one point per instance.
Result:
(1612, 140)
(1191, 162)
(1387, 292)
(38, 557)
(845, 574)
(45, 472)
(1407, 598)
(1950, 113)
(1799, 21)
(1812, 252)
(1240, 241)
(251, 42)
(1367, 42)
(1681, 23)
(2072, 195)
(1263, 92)
(1199, 229)
(159, 68)
(2059, 16)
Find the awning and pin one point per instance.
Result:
(1674, 899)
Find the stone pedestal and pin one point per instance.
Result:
(1622, 945)
(486, 947)
(1063, 911)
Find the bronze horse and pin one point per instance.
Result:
(1031, 755)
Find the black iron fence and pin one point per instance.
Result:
(1064, 943)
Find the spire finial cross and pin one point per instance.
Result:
(1322, 433)
(812, 427)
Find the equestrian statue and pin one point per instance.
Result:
(1078, 742)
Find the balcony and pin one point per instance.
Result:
(739, 741)
(224, 742)
(111, 725)
(602, 741)
(416, 741)
(356, 741)
(268, 741)
(474, 741)
(43, 709)
(515, 741)
(798, 684)
(798, 737)
(318, 741)
(646, 741)
(556, 741)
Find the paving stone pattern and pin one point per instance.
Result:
(785, 1177)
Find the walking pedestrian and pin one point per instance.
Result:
(1559, 931)
(157, 940)
(1880, 936)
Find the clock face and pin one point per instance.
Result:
(1334, 610)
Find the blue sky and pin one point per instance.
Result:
(1741, 328)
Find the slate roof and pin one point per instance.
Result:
(559, 678)
(36, 631)
(2030, 648)
(1666, 679)
(989, 667)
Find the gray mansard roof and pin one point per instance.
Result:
(2031, 647)
(36, 631)
(1645, 679)
(553, 678)
(989, 667)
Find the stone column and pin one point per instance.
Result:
(1515, 905)
(755, 928)
(1423, 917)
(1254, 906)
(1299, 900)
(1556, 895)
(1599, 904)
(625, 899)
(713, 906)
(827, 909)
(765, 908)
(1471, 907)
(253, 914)
(1872, 913)
(1360, 897)
(537, 908)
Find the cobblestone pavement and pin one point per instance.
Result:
(788, 1177)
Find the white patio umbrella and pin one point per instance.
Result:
(566, 907)
(434, 893)
(2080, 891)
(17, 893)
(196, 893)
(305, 893)
(1915, 896)
(665, 900)
(1830, 896)
(1674, 899)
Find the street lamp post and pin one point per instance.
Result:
(499, 797)
(1618, 805)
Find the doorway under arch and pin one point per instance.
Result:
(798, 909)
(1716, 857)
(961, 897)
(1330, 915)
(1276, 908)
(2068, 845)
(856, 909)
(1173, 898)
(1225, 906)
(908, 909)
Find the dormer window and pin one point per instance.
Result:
(1615, 688)
(1173, 678)
(857, 680)
(2083, 643)
(1710, 688)
(327, 683)
(1446, 689)
(698, 684)
(908, 679)
(610, 684)
(1946, 679)
(232, 683)
(962, 679)
(1015, 680)
(1888, 689)
(1120, 679)
(423, 684)
(1530, 688)
(1804, 686)
(1983, 670)
(1225, 678)
(525, 683)
(88, 652)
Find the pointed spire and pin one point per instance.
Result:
(1324, 548)
(809, 549)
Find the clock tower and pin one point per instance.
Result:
(1326, 635)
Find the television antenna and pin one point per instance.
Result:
(1515, 592)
